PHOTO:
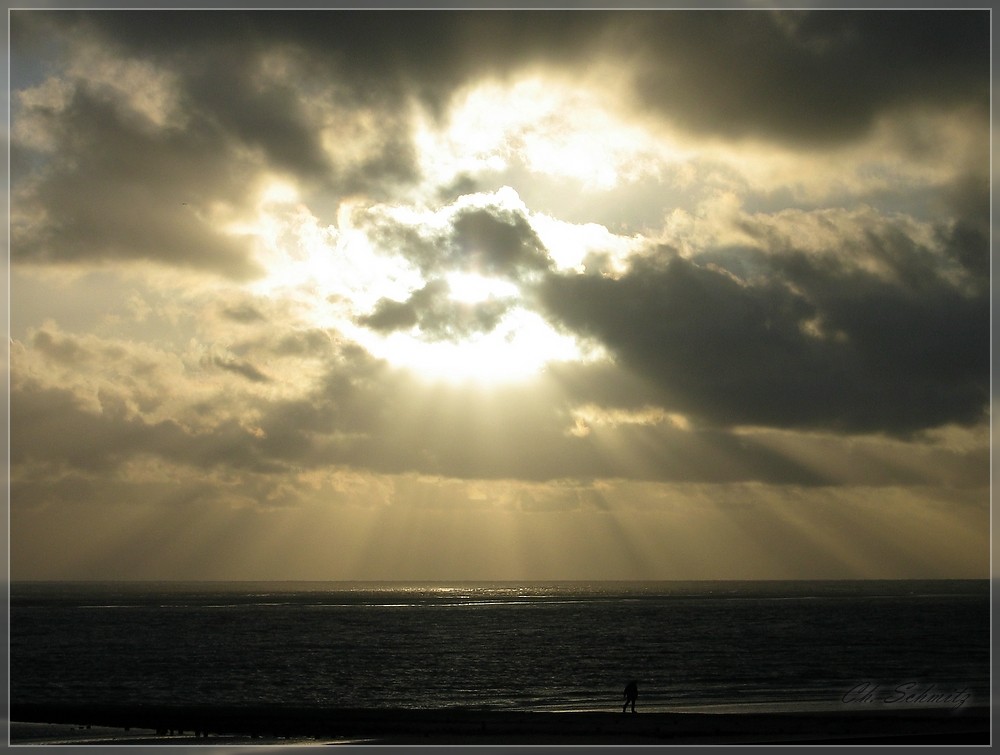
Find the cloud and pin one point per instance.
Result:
(488, 234)
(109, 189)
(807, 76)
(789, 339)
(237, 366)
(774, 333)
(710, 267)
(810, 77)
(243, 312)
(437, 316)
(966, 239)
(496, 242)
(142, 145)
(50, 425)
(65, 350)
(359, 414)
(156, 169)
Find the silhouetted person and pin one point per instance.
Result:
(631, 693)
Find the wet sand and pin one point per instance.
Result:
(124, 724)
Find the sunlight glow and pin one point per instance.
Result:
(591, 415)
(473, 288)
(570, 244)
(546, 125)
(518, 349)
(330, 275)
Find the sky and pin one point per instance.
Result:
(499, 295)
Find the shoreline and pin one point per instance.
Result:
(213, 725)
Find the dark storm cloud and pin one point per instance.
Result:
(807, 344)
(225, 83)
(814, 76)
(390, 314)
(218, 57)
(376, 56)
(113, 189)
(438, 316)
(802, 75)
(964, 242)
(109, 185)
(492, 241)
(497, 242)
(967, 239)
(270, 117)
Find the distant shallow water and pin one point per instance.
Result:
(697, 646)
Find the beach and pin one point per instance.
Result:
(213, 725)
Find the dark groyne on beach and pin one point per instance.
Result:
(969, 725)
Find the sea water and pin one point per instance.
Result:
(518, 646)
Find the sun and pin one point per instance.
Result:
(518, 349)
(472, 288)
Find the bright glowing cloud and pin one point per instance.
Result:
(548, 125)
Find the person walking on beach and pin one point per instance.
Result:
(631, 693)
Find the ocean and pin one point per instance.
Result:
(692, 646)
